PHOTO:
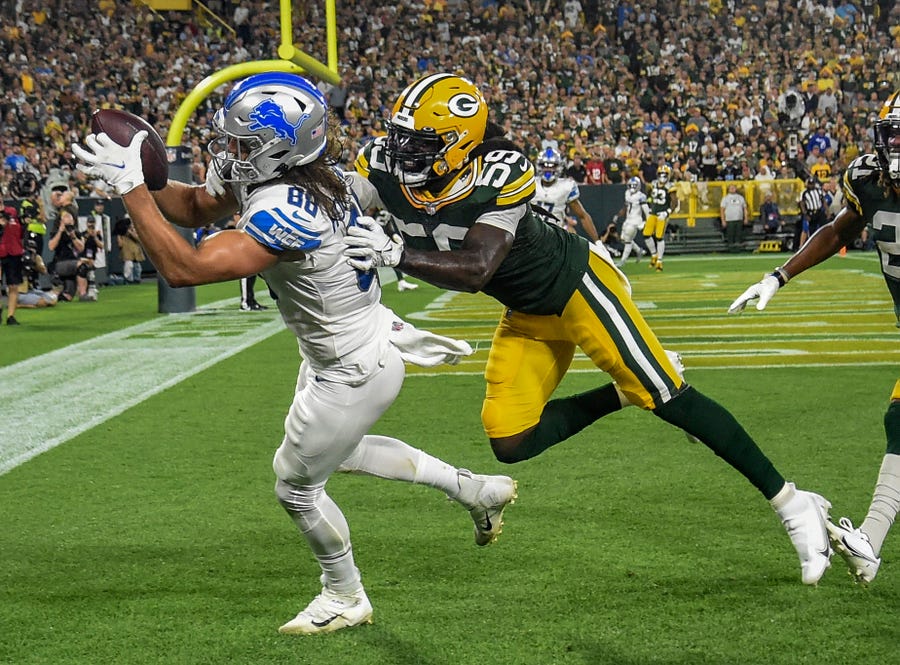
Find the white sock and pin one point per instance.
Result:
(885, 502)
(781, 500)
(386, 457)
(660, 249)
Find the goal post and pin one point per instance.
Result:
(292, 59)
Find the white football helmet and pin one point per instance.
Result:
(634, 184)
(269, 123)
(550, 165)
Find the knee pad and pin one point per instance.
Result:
(892, 428)
(506, 452)
(295, 499)
(82, 270)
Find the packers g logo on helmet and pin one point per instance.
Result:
(464, 105)
(887, 139)
(665, 173)
(436, 122)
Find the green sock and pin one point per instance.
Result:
(561, 418)
(714, 425)
(892, 428)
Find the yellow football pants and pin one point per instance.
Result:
(530, 354)
(654, 226)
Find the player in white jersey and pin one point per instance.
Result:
(274, 163)
(558, 196)
(634, 213)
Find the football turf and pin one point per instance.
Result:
(155, 536)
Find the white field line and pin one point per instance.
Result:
(63, 393)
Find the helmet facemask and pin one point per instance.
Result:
(549, 171)
(887, 147)
(412, 155)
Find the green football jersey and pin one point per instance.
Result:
(658, 197)
(880, 207)
(545, 263)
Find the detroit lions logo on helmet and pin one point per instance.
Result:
(268, 114)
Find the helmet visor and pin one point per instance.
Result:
(887, 145)
(412, 154)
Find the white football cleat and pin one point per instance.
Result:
(805, 517)
(854, 546)
(486, 497)
(330, 611)
(403, 285)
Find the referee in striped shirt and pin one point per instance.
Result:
(813, 211)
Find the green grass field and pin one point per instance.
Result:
(154, 536)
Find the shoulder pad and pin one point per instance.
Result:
(362, 159)
(511, 173)
(862, 169)
(283, 226)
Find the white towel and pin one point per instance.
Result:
(425, 348)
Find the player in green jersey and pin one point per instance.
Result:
(662, 202)
(461, 194)
(871, 187)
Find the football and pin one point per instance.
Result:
(121, 126)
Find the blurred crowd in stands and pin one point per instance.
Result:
(717, 89)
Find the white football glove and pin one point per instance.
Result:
(368, 246)
(215, 187)
(662, 214)
(764, 290)
(118, 165)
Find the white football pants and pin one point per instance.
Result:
(325, 431)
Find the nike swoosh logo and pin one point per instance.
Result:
(487, 526)
(854, 551)
(322, 624)
(115, 166)
(827, 551)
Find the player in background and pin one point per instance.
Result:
(558, 195)
(662, 202)
(633, 213)
(461, 193)
(871, 188)
(274, 162)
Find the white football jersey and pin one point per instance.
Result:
(634, 207)
(333, 309)
(556, 197)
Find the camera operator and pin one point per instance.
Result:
(25, 185)
(84, 274)
(793, 119)
(35, 230)
(67, 245)
(791, 110)
(58, 196)
(30, 294)
(11, 251)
